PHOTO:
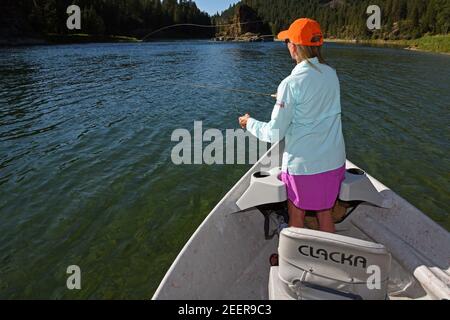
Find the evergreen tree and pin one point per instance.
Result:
(339, 18)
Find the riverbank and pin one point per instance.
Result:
(22, 42)
(54, 39)
(51, 39)
(436, 44)
(87, 38)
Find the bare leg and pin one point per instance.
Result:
(296, 216)
(326, 221)
(296, 220)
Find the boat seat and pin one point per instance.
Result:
(267, 188)
(314, 265)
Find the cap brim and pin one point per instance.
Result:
(283, 35)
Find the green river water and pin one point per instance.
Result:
(86, 176)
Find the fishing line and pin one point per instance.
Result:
(219, 88)
(201, 26)
(210, 87)
(237, 110)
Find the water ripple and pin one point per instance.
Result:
(85, 169)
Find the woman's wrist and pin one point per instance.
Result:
(248, 124)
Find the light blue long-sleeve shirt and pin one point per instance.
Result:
(308, 115)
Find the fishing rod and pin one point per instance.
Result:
(219, 88)
(210, 87)
(233, 90)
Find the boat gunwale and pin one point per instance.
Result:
(213, 212)
(246, 177)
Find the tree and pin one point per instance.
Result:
(339, 18)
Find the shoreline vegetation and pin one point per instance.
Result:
(410, 24)
(87, 38)
(420, 25)
(434, 44)
(55, 39)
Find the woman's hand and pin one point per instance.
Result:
(243, 121)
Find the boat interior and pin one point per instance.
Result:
(383, 249)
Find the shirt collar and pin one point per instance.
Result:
(305, 64)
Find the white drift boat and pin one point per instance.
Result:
(384, 248)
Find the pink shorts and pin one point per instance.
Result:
(316, 192)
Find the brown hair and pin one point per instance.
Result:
(307, 52)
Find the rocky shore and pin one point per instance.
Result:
(247, 37)
(244, 26)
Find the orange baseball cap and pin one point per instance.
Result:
(305, 32)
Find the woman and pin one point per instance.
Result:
(308, 115)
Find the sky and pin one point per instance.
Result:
(212, 6)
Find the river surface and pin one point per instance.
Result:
(86, 176)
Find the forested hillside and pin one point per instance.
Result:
(401, 19)
(104, 17)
